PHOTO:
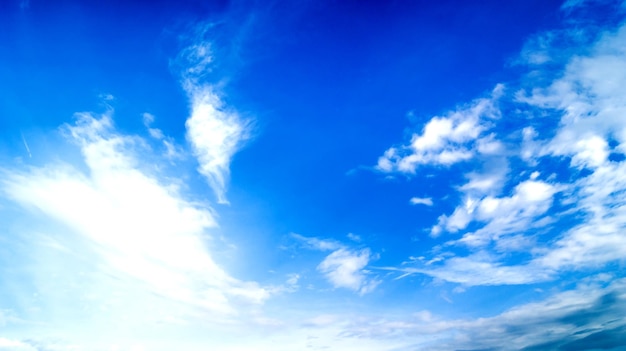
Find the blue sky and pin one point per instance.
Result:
(399, 175)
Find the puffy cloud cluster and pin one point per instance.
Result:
(499, 213)
(447, 140)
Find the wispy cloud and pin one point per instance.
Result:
(26, 145)
(133, 224)
(421, 201)
(480, 268)
(317, 243)
(344, 269)
(172, 150)
(214, 130)
(502, 212)
(569, 320)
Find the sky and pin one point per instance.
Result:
(306, 175)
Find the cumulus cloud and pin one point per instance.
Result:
(501, 215)
(447, 140)
(501, 212)
(215, 135)
(172, 150)
(591, 98)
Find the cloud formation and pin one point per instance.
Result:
(215, 131)
(421, 201)
(501, 213)
(344, 267)
(134, 225)
(446, 140)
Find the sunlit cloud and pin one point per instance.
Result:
(214, 130)
(135, 225)
(494, 221)
(447, 140)
(591, 136)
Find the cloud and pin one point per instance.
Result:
(344, 269)
(568, 320)
(215, 131)
(354, 237)
(506, 215)
(215, 135)
(480, 268)
(421, 201)
(133, 225)
(560, 219)
(317, 243)
(446, 140)
(15, 345)
(172, 151)
(600, 238)
(591, 98)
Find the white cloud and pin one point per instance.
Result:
(501, 216)
(317, 243)
(480, 268)
(592, 99)
(215, 131)
(575, 319)
(421, 201)
(133, 225)
(354, 237)
(345, 269)
(482, 183)
(600, 238)
(447, 140)
(590, 96)
(172, 151)
(570, 4)
(215, 135)
(15, 345)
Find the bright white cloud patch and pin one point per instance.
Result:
(421, 201)
(446, 140)
(15, 345)
(133, 225)
(592, 98)
(215, 131)
(344, 269)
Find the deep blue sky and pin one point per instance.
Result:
(401, 175)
